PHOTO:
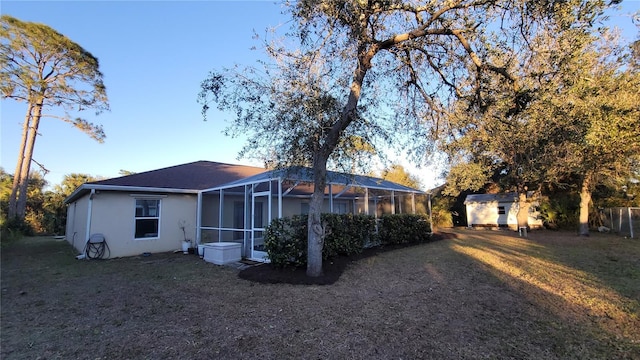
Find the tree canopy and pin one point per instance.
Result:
(382, 70)
(45, 69)
(579, 127)
(399, 175)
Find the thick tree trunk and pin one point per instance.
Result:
(21, 206)
(523, 209)
(315, 235)
(13, 198)
(316, 231)
(585, 200)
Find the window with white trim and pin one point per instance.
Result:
(147, 218)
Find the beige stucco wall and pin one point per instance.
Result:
(113, 214)
(76, 227)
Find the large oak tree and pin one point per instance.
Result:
(386, 69)
(580, 126)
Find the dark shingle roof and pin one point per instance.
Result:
(197, 175)
(208, 175)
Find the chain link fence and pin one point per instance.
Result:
(621, 220)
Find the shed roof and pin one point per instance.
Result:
(501, 198)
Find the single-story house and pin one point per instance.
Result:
(208, 202)
(498, 210)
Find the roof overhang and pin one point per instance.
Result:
(295, 174)
(84, 189)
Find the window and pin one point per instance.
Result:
(501, 210)
(147, 218)
(340, 208)
(304, 209)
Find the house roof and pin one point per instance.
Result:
(207, 175)
(304, 174)
(197, 175)
(185, 178)
(501, 198)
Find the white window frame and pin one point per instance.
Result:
(136, 218)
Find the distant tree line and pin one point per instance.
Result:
(46, 213)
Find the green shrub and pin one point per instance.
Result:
(12, 230)
(286, 239)
(560, 212)
(404, 229)
(347, 234)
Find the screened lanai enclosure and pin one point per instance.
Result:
(240, 211)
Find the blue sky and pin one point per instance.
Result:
(153, 55)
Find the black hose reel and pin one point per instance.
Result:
(97, 247)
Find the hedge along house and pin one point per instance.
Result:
(498, 210)
(217, 202)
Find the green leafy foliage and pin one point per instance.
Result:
(45, 69)
(441, 211)
(560, 211)
(12, 230)
(372, 72)
(286, 239)
(398, 174)
(404, 229)
(347, 234)
(46, 212)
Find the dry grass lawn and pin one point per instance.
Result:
(473, 295)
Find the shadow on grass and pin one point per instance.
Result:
(571, 277)
(332, 269)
